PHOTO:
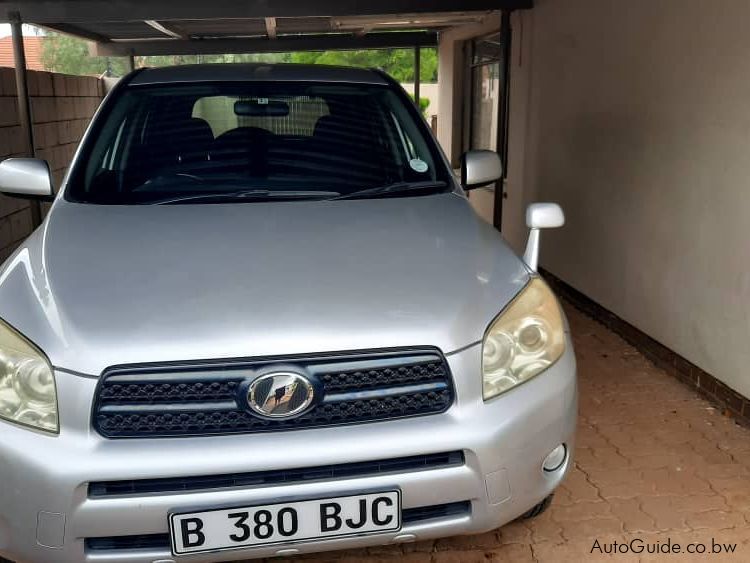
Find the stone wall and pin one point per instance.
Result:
(61, 107)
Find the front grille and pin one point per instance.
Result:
(280, 476)
(161, 541)
(209, 398)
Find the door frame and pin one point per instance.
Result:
(503, 109)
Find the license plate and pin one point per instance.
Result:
(285, 522)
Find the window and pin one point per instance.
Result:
(486, 75)
(304, 113)
(158, 142)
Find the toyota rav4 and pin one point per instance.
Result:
(261, 318)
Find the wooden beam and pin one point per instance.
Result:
(167, 30)
(22, 90)
(324, 42)
(271, 28)
(76, 31)
(24, 103)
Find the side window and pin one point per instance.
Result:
(218, 112)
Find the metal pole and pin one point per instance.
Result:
(24, 104)
(416, 75)
(506, 38)
(131, 63)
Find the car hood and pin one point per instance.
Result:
(98, 285)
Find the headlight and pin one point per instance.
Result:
(27, 384)
(524, 340)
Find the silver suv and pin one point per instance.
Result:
(261, 318)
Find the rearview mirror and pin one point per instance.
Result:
(26, 177)
(540, 216)
(262, 107)
(479, 168)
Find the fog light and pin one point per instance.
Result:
(556, 458)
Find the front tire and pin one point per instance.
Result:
(536, 510)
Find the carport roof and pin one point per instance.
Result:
(158, 27)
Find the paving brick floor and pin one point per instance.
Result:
(654, 462)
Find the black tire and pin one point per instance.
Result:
(535, 511)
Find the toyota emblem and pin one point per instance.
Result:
(280, 394)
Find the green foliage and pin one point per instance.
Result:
(70, 55)
(424, 103)
(171, 60)
(399, 63)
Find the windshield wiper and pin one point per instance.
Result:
(245, 195)
(396, 188)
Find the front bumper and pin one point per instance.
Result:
(46, 512)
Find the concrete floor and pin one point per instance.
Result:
(654, 463)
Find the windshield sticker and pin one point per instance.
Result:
(418, 165)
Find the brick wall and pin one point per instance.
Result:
(61, 108)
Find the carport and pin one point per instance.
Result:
(632, 116)
(467, 34)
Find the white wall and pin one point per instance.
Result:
(638, 123)
(427, 90)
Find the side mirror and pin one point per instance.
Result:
(479, 168)
(26, 177)
(540, 216)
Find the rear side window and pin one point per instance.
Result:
(167, 141)
(304, 114)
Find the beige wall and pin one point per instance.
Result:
(427, 90)
(61, 108)
(515, 202)
(453, 87)
(638, 123)
(452, 80)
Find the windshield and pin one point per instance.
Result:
(245, 141)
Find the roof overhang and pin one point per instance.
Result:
(82, 11)
(312, 42)
(166, 27)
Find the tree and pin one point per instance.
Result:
(70, 55)
(399, 63)
(424, 103)
(171, 60)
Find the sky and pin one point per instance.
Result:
(27, 30)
